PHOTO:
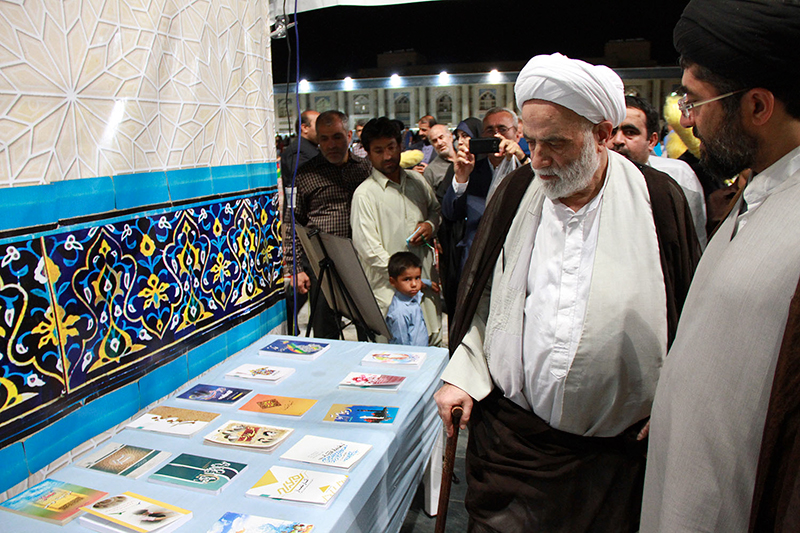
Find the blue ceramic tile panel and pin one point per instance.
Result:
(163, 381)
(189, 183)
(207, 355)
(227, 179)
(141, 189)
(27, 206)
(74, 198)
(243, 335)
(15, 468)
(47, 445)
(263, 174)
(272, 317)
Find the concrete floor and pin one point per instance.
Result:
(417, 521)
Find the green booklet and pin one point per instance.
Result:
(204, 474)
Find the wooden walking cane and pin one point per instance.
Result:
(447, 472)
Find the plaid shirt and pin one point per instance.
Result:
(322, 198)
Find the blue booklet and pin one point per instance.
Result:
(215, 394)
(295, 349)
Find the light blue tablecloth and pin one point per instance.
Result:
(380, 488)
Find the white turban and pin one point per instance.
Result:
(592, 91)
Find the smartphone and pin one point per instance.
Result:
(484, 145)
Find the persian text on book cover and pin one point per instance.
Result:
(247, 434)
(278, 405)
(173, 420)
(308, 486)
(52, 501)
(123, 460)
(198, 472)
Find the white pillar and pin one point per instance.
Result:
(465, 111)
(382, 103)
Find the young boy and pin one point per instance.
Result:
(404, 317)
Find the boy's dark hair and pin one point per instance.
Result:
(651, 117)
(400, 261)
(380, 128)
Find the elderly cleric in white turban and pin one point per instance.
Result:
(594, 92)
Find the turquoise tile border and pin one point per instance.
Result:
(137, 190)
(207, 355)
(163, 381)
(228, 179)
(47, 445)
(15, 467)
(262, 174)
(27, 206)
(74, 198)
(189, 183)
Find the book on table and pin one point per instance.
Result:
(361, 414)
(278, 405)
(214, 394)
(397, 359)
(256, 437)
(129, 512)
(263, 373)
(295, 349)
(327, 452)
(173, 421)
(195, 472)
(123, 460)
(374, 382)
(53, 501)
(297, 485)
(244, 523)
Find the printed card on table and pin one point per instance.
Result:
(278, 405)
(361, 414)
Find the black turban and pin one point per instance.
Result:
(754, 42)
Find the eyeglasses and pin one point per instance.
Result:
(491, 130)
(686, 107)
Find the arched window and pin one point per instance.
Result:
(444, 108)
(487, 101)
(402, 108)
(361, 105)
(322, 103)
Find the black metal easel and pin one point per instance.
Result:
(327, 271)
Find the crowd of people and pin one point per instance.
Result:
(622, 327)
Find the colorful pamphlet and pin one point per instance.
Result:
(132, 512)
(281, 483)
(269, 374)
(244, 523)
(173, 420)
(196, 472)
(52, 501)
(124, 460)
(399, 359)
(327, 452)
(376, 382)
(214, 394)
(278, 405)
(361, 414)
(248, 435)
(295, 349)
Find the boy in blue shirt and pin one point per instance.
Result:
(404, 317)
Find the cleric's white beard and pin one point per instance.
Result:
(575, 176)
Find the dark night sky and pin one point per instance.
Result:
(335, 42)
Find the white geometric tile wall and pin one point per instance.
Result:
(103, 87)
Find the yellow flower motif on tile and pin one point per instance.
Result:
(220, 269)
(154, 292)
(148, 246)
(51, 329)
(217, 227)
(264, 217)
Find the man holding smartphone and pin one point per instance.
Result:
(476, 178)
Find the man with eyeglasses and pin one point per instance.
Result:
(476, 179)
(724, 450)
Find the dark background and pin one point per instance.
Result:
(336, 42)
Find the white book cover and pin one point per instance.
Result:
(133, 512)
(395, 359)
(293, 484)
(376, 382)
(173, 420)
(248, 435)
(265, 373)
(245, 523)
(327, 452)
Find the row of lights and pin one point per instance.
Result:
(397, 81)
